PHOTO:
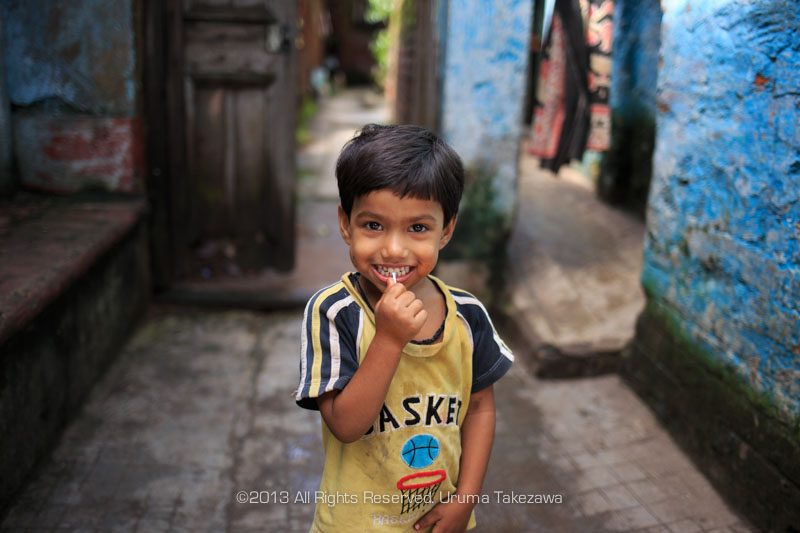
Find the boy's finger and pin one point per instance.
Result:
(391, 292)
(416, 306)
(396, 290)
(405, 298)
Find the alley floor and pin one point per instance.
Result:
(194, 427)
(574, 262)
(198, 410)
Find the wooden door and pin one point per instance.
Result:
(231, 112)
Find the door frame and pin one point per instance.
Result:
(158, 172)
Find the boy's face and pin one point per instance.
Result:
(387, 233)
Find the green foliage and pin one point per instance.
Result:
(380, 51)
(479, 223)
(302, 134)
(379, 11)
(482, 230)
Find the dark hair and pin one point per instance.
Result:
(408, 160)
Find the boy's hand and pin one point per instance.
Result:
(399, 314)
(446, 517)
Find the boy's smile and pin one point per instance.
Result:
(388, 234)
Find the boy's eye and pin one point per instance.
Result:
(418, 228)
(374, 226)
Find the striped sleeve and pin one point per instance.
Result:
(491, 358)
(328, 345)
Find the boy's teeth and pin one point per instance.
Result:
(398, 271)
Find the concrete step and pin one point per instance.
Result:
(73, 283)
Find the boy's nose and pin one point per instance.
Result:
(394, 248)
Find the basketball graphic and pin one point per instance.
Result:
(420, 450)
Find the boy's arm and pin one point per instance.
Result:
(349, 413)
(477, 435)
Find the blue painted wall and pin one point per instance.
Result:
(722, 255)
(72, 81)
(626, 168)
(484, 65)
(72, 54)
(637, 29)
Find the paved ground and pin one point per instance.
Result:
(198, 408)
(575, 262)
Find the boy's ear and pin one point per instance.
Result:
(344, 225)
(447, 232)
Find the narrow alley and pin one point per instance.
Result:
(194, 428)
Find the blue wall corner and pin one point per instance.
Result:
(724, 213)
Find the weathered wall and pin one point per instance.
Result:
(77, 52)
(724, 213)
(49, 366)
(6, 178)
(627, 165)
(71, 83)
(74, 58)
(720, 337)
(485, 49)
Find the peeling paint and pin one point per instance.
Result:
(760, 80)
(723, 248)
(66, 154)
(71, 73)
(77, 53)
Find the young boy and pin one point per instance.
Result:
(399, 364)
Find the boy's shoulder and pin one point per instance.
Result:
(332, 290)
(332, 298)
(466, 303)
(340, 299)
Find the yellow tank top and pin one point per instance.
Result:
(409, 460)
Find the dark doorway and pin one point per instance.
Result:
(220, 90)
